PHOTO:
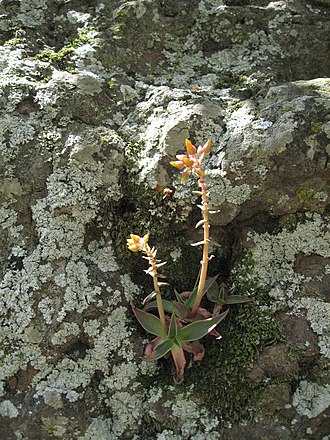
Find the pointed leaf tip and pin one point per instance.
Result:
(149, 322)
(196, 330)
(172, 331)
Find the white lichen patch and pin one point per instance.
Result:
(67, 329)
(7, 218)
(311, 399)
(130, 289)
(126, 408)
(222, 190)
(8, 409)
(16, 353)
(193, 419)
(318, 315)
(274, 255)
(103, 256)
(79, 292)
(14, 132)
(176, 254)
(99, 429)
(272, 265)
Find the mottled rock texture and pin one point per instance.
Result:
(96, 98)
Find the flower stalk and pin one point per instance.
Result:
(188, 163)
(151, 254)
(206, 241)
(137, 244)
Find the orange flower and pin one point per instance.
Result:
(190, 147)
(178, 164)
(192, 160)
(137, 243)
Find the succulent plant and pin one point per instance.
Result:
(182, 322)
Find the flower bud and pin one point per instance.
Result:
(188, 162)
(190, 147)
(200, 172)
(206, 148)
(177, 164)
(137, 243)
(185, 175)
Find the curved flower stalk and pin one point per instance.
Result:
(193, 162)
(140, 244)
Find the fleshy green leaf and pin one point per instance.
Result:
(198, 329)
(171, 307)
(162, 349)
(209, 283)
(237, 299)
(216, 295)
(149, 322)
(172, 331)
(213, 293)
(192, 297)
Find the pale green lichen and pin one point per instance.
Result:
(274, 255)
(67, 329)
(222, 190)
(192, 418)
(103, 256)
(99, 429)
(318, 314)
(32, 12)
(8, 409)
(311, 399)
(79, 292)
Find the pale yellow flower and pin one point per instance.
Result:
(137, 243)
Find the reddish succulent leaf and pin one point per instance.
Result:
(162, 349)
(196, 330)
(179, 361)
(149, 322)
(151, 345)
(196, 348)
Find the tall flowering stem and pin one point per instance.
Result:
(206, 241)
(187, 163)
(140, 244)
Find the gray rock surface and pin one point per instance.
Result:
(96, 98)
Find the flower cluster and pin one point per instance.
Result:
(136, 243)
(193, 160)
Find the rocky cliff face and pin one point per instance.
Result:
(96, 98)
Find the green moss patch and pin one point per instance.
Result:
(221, 378)
(61, 55)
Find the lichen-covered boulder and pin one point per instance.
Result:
(96, 99)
